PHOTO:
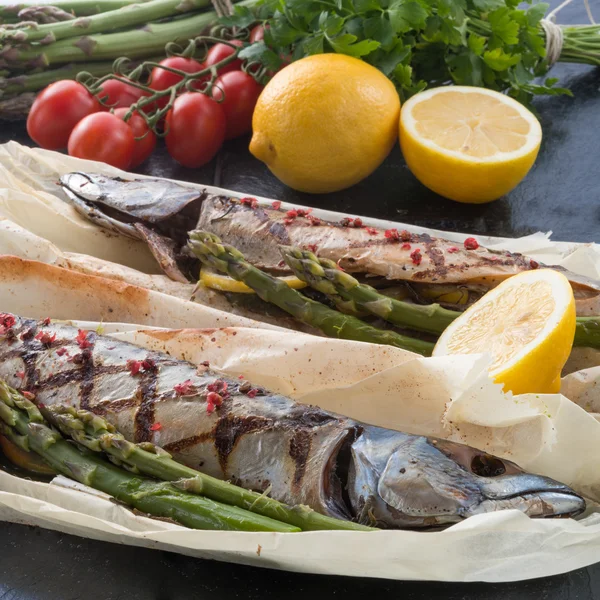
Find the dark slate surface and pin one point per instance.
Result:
(562, 194)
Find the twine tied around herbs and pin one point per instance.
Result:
(554, 33)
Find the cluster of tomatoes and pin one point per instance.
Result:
(66, 115)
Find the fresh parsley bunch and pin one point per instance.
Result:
(421, 43)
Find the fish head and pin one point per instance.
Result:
(116, 204)
(400, 480)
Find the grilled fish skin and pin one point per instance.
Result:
(259, 232)
(300, 454)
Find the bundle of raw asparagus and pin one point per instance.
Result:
(40, 44)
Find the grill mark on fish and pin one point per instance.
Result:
(77, 374)
(229, 429)
(28, 355)
(145, 415)
(437, 258)
(300, 445)
(87, 372)
(114, 406)
(31, 374)
(184, 444)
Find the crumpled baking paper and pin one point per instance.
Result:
(450, 397)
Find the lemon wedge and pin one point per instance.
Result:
(527, 324)
(224, 283)
(468, 144)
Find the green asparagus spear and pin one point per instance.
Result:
(97, 434)
(36, 81)
(587, 332)
(129, 16)
(45, 14)
(24, 425)
(322, 275)
(208, 248)
(136, 43)
(80, 8)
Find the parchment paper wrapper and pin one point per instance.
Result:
(449, 397)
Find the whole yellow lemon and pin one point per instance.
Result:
(325, 122)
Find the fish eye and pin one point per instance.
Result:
(485, 465)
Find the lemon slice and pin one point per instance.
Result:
(468, 144)
(25, 460)
(527, 324)
(224, 283)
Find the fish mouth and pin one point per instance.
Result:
(539, 505)
(534, 495)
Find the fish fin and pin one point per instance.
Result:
(163, 249)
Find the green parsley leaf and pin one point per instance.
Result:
(363, 6)
(347, 44)
(258, 52)
(330, 24)
(476, 43)
(388, 61)
(504, 27)
(488, 5)
(499, 60)
(282, 33)
(405, 16)
(313, 45)
(536, 13)
(466, 68)
(535, 41)
(242, 17)
(380, 29)
(455, 9)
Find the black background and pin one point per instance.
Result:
(561, 194)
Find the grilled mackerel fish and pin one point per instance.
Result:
(162, 212)
(299, 454)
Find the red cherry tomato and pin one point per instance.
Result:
(241, 93)
(257, 34)
(117, 94)
(195, 129)
(145, 141)
(161, 79)
(220, 52)
(103, 137)
(56, 110)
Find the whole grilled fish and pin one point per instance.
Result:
(300, 454)
(161, 213)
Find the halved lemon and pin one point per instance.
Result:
(224, 283)
(527, 324)
(468, 144)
